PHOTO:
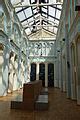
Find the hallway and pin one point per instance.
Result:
(60, 108)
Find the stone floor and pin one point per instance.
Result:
(60, 108)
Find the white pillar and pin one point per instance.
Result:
(37, 71)
(4, 85)
(46, 74)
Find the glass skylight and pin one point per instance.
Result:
(30, 16)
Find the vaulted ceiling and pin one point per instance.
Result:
(35, 17)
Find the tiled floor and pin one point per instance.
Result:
(60, 108)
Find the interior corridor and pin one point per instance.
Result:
(60, 108)
(40, 59)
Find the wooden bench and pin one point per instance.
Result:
(31, 92)
(44, 91)
(17, 102)
(34, 97)
(42, 102)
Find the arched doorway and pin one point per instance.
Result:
(1, 61)
(50, 75)
(74, 74)
(42, 73)
(33, 72)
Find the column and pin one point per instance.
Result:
(56, 80)
(15, 85)
(46, 74)
(11, 72)
(4, 86)
(68, 81)
(37, 71)
(19, 70)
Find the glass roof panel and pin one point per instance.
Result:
(21, 16)
(58, 13)
(35, 10)
(51, 11)
(45, 15)
(51, 1)
(32, 1)
(43, 9)
(56, 21)
(17, 9)
(28, 12)
(24, 23)
(28, 31)
(30, 19)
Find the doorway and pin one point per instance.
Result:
(73, 59)
(42, 73)
(50, 75)
(33, 72)
(78, 69)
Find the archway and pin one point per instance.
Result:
(77, 69)
(50, 75)
(1, 61)
(42, 73)
(33, 72)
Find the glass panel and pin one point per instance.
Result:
(32, 1)
(21, 16)
(51, 11)
(58, 13)
(45, 10)
(28, 31)
(30, 19)
(55, 30)
(24, 23)
(17, 9)
(44, 15)
(59, 6)
(28, 12)
(52, 1)
(56, 21)
(25, 1)
(35, 10)
(50, 18)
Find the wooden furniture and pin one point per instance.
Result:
(33, 97)
(26, 101)
(31, 91)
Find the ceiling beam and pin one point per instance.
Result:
(42, 4)
(55, 7)
(22, 10)
(38, 25)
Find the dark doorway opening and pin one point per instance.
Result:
(42, 73)
(33, 72)
(50, 75)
